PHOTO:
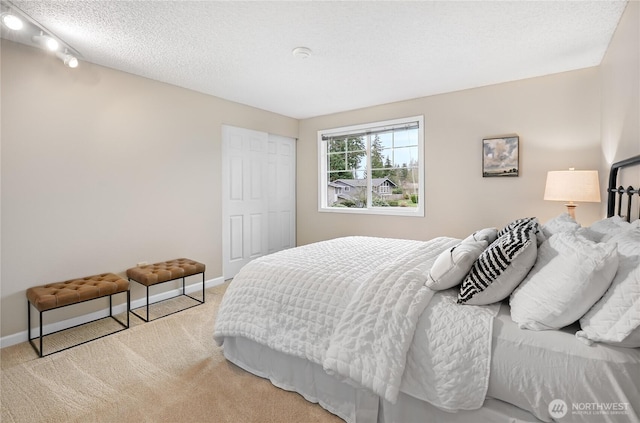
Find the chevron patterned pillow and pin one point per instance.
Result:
(501, 267)
(525, 221)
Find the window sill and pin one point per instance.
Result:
(380, 211)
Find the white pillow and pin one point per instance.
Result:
(500, 268)
(452, 265)
(570, 275)
(588, 234)
(606, 228)
(615, 318)
(486, 234)
(562, 223)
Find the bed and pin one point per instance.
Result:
(491, 328)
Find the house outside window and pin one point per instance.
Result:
(374, 168)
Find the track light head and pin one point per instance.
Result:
(71, 61)
(46, 41)
(68, 59)
(12, 21)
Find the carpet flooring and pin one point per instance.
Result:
(168, 370)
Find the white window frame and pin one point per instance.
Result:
(390, 211)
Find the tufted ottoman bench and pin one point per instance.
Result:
(62, 294)
(166, 271)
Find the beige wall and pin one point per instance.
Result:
(557, 118)
(102, 169)
(620, 71)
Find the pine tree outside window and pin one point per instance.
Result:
(374, 168)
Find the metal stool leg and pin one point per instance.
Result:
(29, 338)
(147, 303)
(28, 320)
(40, 334)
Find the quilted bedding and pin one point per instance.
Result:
(352, 305)
(448, 364)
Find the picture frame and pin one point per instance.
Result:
(501, 156)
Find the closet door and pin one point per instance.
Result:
(258, 196)
(281, 193)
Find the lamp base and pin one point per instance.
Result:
(571, 209)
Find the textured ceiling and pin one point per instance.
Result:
(364, 53)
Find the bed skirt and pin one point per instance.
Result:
(354, 405)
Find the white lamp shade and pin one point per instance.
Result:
(573, 185)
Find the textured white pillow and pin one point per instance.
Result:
(570, 275)
(453, 264)
(500, 268)
(615, 318)
(562, 223)
(486, 234)
(606, 228)
(589, 234)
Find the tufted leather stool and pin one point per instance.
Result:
(61, 294)
(164, 272)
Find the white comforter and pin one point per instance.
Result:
(352, 305)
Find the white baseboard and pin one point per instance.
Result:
(19, 337)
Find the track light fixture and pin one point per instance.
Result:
(26, 30)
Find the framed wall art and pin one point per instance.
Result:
(501, 156)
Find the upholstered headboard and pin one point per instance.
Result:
(616, 204)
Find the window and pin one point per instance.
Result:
(378, 165)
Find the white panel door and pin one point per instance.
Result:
(244, 197)
(258, 196)
(281, 193)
